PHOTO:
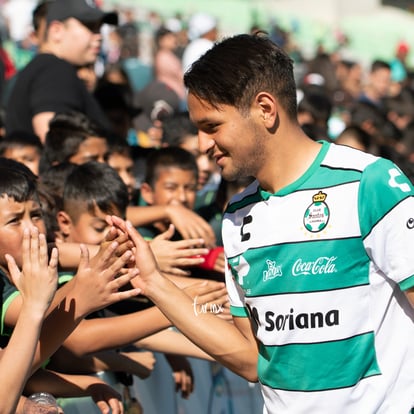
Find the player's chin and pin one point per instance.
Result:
(229, 173)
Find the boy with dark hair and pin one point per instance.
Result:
(51, 184)
(94, 286)
(119, 157)
(73, 137)
(92, 191)
(23, 147)
(171, 179)
(37, 290)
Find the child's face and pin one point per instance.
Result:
(27, 155)
(89, 228)
(123, 165)
(174, 186)
(92, 149)
(205, 163)
(14, 218)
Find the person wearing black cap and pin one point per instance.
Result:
(49, 83)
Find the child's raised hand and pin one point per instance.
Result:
(173, 256)
(98, 280)
(220, 263)
(191, 225)
(37, 281)
(182, 374)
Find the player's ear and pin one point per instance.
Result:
(268, 108)
(147, 193)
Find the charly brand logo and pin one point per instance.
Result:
(291, 321)
(410, 223)
(317, 214)
(245, 235)
(273, 270)
(321, 266)
(394, 173)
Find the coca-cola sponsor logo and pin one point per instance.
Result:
(321, 266)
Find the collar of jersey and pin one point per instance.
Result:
(296, 184)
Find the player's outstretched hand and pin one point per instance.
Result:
(144, 258)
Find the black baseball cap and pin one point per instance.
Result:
(83, 10)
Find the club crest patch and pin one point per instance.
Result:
(317, 214)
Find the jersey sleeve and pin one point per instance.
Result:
(386, 214)
(235, 293)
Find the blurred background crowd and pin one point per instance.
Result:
(366, 91)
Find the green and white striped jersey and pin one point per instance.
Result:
(320, 267)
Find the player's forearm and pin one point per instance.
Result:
(218, 338)
(172, 342)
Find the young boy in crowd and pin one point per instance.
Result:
(119, 157)
(93, 191)
(93, 288)
(73, 137)
(171, 179)
(23, 147)
(174, 257)
(37, 290)
(81, 220)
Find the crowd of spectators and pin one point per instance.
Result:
(108, 87)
